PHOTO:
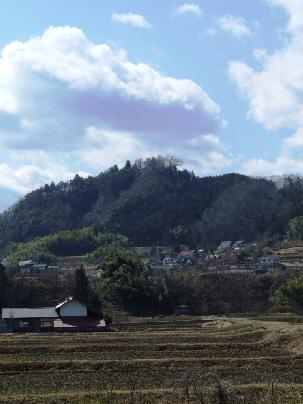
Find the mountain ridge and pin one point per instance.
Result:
(153, 202)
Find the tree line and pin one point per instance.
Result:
(78, 242)
(155, 202)
(129, 285)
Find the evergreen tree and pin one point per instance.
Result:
(84, 293)
(81, 288)
(128, 165)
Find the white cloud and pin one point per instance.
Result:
(101, 147)
(294, 9)
(135, 20)
(189, 8)
(274, 93)
(211, 162)
(295, 141)
(284, 164)
(87, 106)
(24, 178)
(208, 154)
(236, 26)
(261, 54)
(64, 54)
(209, 139)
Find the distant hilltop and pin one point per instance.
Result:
(154, 202)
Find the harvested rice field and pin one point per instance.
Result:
(167, 360)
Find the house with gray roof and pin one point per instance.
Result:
(69, 315)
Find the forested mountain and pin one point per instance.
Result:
(152, 202)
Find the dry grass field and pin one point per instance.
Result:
(169, 360)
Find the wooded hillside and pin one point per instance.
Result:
(153, 202)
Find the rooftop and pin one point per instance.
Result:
(41, 312)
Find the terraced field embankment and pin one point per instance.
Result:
(170, 360)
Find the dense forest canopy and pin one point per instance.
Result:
(154, 202)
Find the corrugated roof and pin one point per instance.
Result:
(41, 312)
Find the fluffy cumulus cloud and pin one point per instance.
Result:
(295, 141)
(275, 90)
(42, 169)
(102, 146)
(136, 20)
(284, 164)
(22, 179)
(279, 81)
(235, 26)
(216, 154)
(189, 8)
(295, 11)
(68, 105)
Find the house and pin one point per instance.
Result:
(69, 315)
(53, 268)
(224, 246)
(164, 250)
(143, 252)
(93, 272)
(39, 271)
(39, 268)
(230, 258)
(269, 260)
(236, 246)
(25, 266)
(189, 257)
(188, 254)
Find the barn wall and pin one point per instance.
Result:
(73, 309)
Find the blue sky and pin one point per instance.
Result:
(85, 85)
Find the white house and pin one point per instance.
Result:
(224, 246)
